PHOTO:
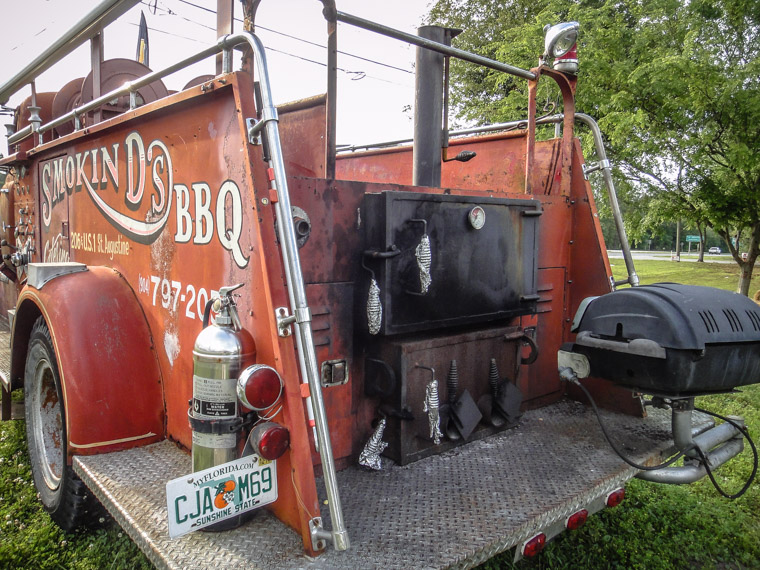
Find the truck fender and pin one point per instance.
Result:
(110, 376)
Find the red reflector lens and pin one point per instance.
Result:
(576, 520)
(615, 498)
(534, 545)
(270, 440)
(259, 387)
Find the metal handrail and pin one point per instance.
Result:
(98, 18)
(496, 127)
(126, 89)
(294, 277)
(606, 168)
(432, 45)
(296, 287)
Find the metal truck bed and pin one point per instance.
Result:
(456, 509)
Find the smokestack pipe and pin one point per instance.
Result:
(428, 108)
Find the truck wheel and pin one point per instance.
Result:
(62, 493)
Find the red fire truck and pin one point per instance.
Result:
(214, 309)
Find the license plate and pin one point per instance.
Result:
(206, 497)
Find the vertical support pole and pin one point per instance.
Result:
(678, 240)
(332, 89)
(37, 137)
(96, 58)
(530, 142)
(224, 14)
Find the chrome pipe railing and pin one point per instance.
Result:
(88, 27)
(126, 89)
(295, 282)
(606, 168)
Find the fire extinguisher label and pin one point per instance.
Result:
(214, 398)
(215, 441)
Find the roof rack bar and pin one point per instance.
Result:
(89, 26)
(431, 45)
(129, 87)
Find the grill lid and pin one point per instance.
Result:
(674, 316)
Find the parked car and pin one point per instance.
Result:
(715, 250)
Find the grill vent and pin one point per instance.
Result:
(711, 325)
(754, 318)
(733, 320)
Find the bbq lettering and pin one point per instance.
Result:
(136, 194)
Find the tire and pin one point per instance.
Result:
(62, 493)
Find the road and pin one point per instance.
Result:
(666, 256)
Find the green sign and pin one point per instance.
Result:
(693, 238)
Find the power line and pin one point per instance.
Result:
(358, 75)
(369, 60)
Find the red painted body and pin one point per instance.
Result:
(168, 203)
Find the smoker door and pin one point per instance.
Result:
(477, 273)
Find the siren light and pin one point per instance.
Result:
(560, 43)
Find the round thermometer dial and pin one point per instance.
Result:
(477, 217)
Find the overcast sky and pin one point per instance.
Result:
(371, 96)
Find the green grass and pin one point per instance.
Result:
(29, 539)
(720, 275)
(666, 526)
(656, 526)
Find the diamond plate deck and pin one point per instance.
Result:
(456, 509)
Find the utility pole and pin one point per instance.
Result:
(678, 241)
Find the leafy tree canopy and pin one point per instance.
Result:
(673, 84)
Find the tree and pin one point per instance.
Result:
(673, 84)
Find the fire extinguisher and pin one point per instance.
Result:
(222, 350)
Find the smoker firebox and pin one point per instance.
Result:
(670, 339)
(442, 260)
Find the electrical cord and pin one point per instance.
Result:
(570, 377)
(702, 456)
(614, 446)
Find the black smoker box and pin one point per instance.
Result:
(670, 339)
(479, 253)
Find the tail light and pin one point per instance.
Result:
(576, 520)
(259, 387)
(269, 440)
(534, 545)
(615, 498)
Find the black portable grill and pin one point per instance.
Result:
(670, 339)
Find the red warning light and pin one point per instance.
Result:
(576, 520)
(270, 440)
(615, 498)
(534, 545)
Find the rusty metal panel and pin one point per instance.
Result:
(165, 196)
(540, 379)
(96, 324)
(302, 128)
(499, 166)
(330, 252)
(332, 307)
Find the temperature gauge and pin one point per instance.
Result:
(477, 217)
